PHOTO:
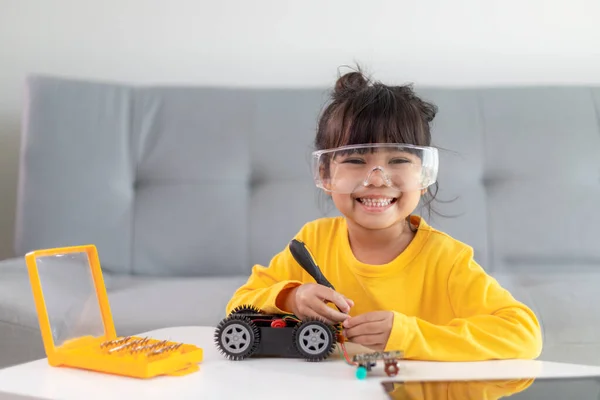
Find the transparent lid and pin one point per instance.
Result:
(67, 300)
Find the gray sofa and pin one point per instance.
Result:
(183, 189)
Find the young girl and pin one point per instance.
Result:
(400, 284)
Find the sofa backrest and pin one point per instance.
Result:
(205, 181)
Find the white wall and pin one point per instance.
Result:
(286, 43)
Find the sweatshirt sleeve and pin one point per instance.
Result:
(488, 322)
(267, 286)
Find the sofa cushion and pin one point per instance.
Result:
(545, 224)
(77, 170)
(545, 134)
(192, 181)
(149, 176)
(542, 175)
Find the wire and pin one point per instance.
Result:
(345, 354)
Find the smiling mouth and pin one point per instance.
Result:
(376, 202)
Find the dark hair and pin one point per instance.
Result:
(362, 111)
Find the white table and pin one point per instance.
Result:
(219, 378)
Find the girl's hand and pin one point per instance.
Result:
(371, 329)
(310, 300)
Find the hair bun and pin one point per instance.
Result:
(350, 82)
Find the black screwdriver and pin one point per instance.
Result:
(303, 256)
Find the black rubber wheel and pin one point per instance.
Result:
(246, 309)
(237, 337)
(315, 340)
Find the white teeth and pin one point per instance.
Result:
(376, 202)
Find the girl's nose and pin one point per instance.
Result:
(377, 177)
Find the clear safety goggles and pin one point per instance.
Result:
(402, 167)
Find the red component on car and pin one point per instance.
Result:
(278, 323)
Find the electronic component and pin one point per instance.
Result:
(366, 361)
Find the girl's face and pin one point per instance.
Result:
(376, 205)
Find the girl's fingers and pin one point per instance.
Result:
(316, 315)
(328, 294)
(327, 312)
(368, 340)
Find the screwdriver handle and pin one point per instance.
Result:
(303, 256)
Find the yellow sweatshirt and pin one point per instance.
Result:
(445, 306)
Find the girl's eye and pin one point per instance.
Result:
(399, 161)
(353, 161)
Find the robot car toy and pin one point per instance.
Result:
(250, 332)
